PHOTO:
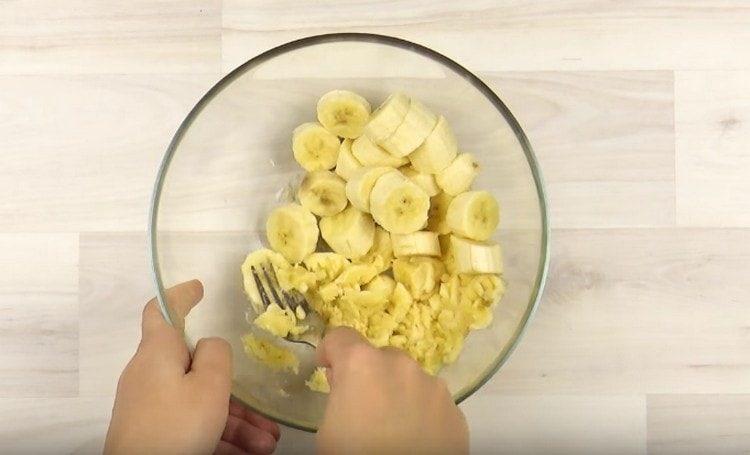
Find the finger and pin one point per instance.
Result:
(226, 448)
(255, 419)
(212, 364)
(337, 345)
(180, 300)
(248, 437)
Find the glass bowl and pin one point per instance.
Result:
(230, 162)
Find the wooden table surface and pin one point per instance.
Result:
(640, 115)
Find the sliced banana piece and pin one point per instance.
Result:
(399, 205)
(370, 154)
(425, 181)
(346, 163)
(292, 230)
(349, 233)
(315, 148)
(437, 151)
(384, 121)
(381, 284)
(359, 186)
(411, 133)
(343, 113)
(420, 243)
(436, 221)
(459, 175)
(468, 256)
(474, 215)
(323, 193)
(256, 260)
(381, 253)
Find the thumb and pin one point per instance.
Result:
(212, 363)
(338, 345)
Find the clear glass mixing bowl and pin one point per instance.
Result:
(230, 162)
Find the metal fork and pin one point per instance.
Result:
(270, 292)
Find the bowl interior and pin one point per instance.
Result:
(230, 163)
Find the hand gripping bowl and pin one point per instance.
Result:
(230, 163)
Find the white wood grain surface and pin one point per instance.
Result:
(639, 112)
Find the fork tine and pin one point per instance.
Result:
(261, 288)
(273, 284)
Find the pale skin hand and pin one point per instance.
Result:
(382, 402)
(168, 402)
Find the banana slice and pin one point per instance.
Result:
(350, 233)
(323, 193)
(468, 256)
(411, 133)
(399, 205)
(420, 275)
(346, 163)
(343, 113)
(425, 181)
(370, 154)
(256, 259)
(474, 215)
(359, 186)
(384, 121)
(292, 231)
(438, 211)
(381, 253)
(437, 151)
(420, 243)
(459, 176)
(315, 148)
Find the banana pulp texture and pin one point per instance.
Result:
(401, 164)
(292, 231)
(425, 181)
(314, 147)
(387, 118)
(468, 256)
(349, 233)
(359, 186)
(459, 175)
(437, 151)
(399, 205)
(473, 214)
(346, 163)
(370, 154)
(343, 113)
(412, 132)
(318, 381)
(421, 243)
(323, 193)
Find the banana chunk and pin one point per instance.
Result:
(425, 181)
(370, 154)
(468, 256)
(315, 148)
(384, 121)
(436, 221)
(421, 243)
(437, 151)
(359, 186)
(420, 275)
(346, 163)
(459, 176)
(412, 132)
(292, 230)
(350, 233)
(474, 215)
(343, 113)
(399, 205)
(381, 284)
(381, 253)
(323, 193)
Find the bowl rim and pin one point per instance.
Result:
(542, 270)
